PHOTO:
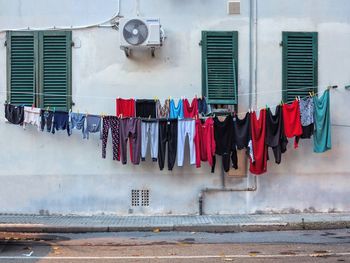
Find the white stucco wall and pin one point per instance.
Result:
(61, 174)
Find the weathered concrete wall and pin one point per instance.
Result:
(61, 174)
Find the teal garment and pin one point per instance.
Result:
(322, 134)
(176, 112)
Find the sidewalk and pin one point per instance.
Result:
(195, 223)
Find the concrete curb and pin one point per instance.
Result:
(249, 227)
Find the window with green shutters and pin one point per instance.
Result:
(299, 64)
(39, 68)
(219, 66)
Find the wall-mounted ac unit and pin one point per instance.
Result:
(137, 33)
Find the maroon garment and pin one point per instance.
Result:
(258, 127)
(190, 111)
(130, 128)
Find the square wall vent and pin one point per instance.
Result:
(234, 7)
(140, 197)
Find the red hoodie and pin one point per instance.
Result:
(292, 121)
(204, 141)
(258, 127)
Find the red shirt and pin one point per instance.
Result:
(292, 121)
(258, 128)
(190, 111)
(204, 141)
(125, 107)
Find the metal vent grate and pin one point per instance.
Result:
(144, 197)
(140, 197)
(135, 197)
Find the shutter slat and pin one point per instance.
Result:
(299, 64)
(22, 69)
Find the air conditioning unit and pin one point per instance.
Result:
(140, 33)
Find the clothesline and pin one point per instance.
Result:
(217, 137)
(275, 105)
(105, 97)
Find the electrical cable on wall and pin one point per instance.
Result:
(99, 24)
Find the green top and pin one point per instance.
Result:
(322, 134)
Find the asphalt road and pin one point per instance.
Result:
(286, 246)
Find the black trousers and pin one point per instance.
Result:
(167, 134)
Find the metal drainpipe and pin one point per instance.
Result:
(213, 190)
(253, 60)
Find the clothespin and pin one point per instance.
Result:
(282, 102)
(249, 110)
(298, 98)
(32, 105)
(149, 117)
(267, 107)
(155, 98)
(47, 109)
(310, 94)
(54, 109)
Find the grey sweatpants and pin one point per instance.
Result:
(130, 128)
(149, 129)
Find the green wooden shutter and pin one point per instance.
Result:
(21, 67)
(299, 64)
(219, 66)
(55, 71)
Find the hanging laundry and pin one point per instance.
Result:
(130, 128)
(125, 107)
(322, 135)
(46, 120)
(14, 114)
(163, 111)
(242, 134)
(146, 108)
(167, 134)
(93, 124)
(77, 121)
(275, 137)
(111, 123)
(204, 141)
(291, 120)
(149, 129)
(224, 141)
(176, 112)
(31, 116)
(203, 107)
(258, 129)
(186, 128)
(60, 122)
(306, 106)
(190, 111)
